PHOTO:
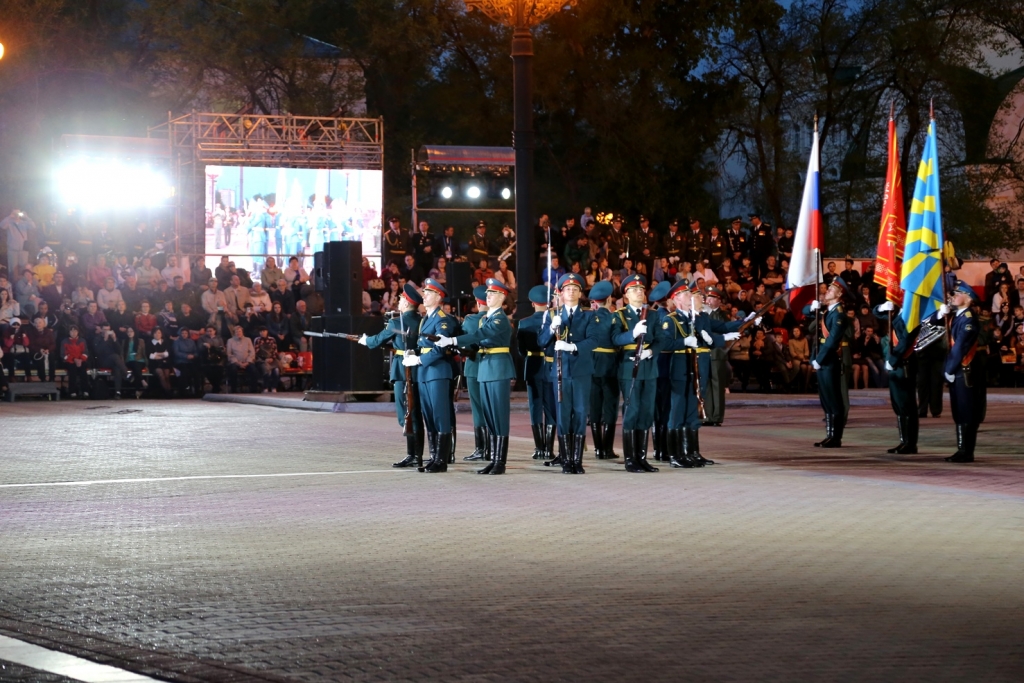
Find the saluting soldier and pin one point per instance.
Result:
(479, 245)
(542, 416)
(718, 380)
(402, 333)
(828, 362)
(674, 243)
(570, 335)
(698, 245)
(644, 245)
(492, 334)
(604, 384)
(690, 339)
(901, 363)
(640, 343)
(617, 243)
(435, 376)
(966, 376)
(469, 373)
(396, 243)
(663, 398)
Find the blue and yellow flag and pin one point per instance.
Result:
(921, 276)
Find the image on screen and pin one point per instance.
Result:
(252, 213)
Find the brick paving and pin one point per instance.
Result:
(783, 563)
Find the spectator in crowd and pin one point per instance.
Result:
(172, 270)
(43, 348)
(74, 356)
(74, 272)
(27, 293)
(200, 276)
(998, 275)
(120, 319)
(145, 321)
(389, 302)
(133, 353)
(133, 294)
(851, 275)
(860, 362)
(270, 274)
(298, 324)
(147, 275)
(483, 272)
(9, 308)
(55, 293)
(160, 361)
(282, 294)
(99, 273)
(260, 299)
(413, 272)
(167, 320)
(874, 358)
(225, 269)
(191, 319)
(250, 321)
(215, 304)
(43, 271)
(265, 348)
(241, 358)
(440, 271)
(107, 351)
(1002, 294)
(506, 276)
(800, 353)
(19, 227)
(278, 325)
(236, 296)
(108, 297)
(16, 348)
(212, 354)
(296, 277)
(93, 320)
(5, 284)
(182, 293)
(185, 355)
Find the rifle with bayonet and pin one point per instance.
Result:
(757, 314)
(636, 360)
(336, 335)
(410, 393)
(701, 413)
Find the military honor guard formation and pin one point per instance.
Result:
(657, 363)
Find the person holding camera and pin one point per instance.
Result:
(18, 227)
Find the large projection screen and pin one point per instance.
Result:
(253, 212)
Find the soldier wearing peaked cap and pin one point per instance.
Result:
(604, 384)
(719, 379)
(492, 334)
(542, 413)
(469, 372)
(479, 245)
(663, 397)
(570, 335)
(966, 376)
(901, 363)
(828, 361)
(402, 333)
(435, 376)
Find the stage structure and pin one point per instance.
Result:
(266, 161)
(463, 180)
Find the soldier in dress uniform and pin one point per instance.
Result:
(698, 245)
(718, 378)
(435, 376)
(604, 388)
(901, 363)
(396, 243)
(737, 241)
(491, 333)
(542, 417)
(663, 398)
(479, 245)
(402, 333)
(828, 363)
(762, 242)
(644, 246)
(570, 336)
(688, 335)
(716, 248)
(423, 244)
(966, 376)
(674, 244)
(617, 243)
(469, 373)
(635, 335)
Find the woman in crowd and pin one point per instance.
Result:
(278, 325)
(593, 275)
(266, 360)
(506, 277)
(388, 302)
(160, 361)
(82, 296)
(800, 352)
(9, 308)
(134, 353)
(75, 356)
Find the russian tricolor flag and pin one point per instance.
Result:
(808, 239)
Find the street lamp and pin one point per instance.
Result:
(521, 15)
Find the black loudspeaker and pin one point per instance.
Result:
(460, 280)
(319, 281)
(343, 365)
(342, 268)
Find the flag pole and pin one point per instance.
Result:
(817, 294)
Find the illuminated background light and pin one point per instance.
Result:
(506, 193)
(94, 184)
(473, 192)
(446, 192)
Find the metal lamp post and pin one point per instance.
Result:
(521, 15)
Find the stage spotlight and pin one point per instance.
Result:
(506, 193)
(446, 192)
(473, 192)
(93, 184)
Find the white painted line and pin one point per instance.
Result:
(193, 478)
(54, 662)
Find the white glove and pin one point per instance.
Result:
(622, 255)
(691, 342)
(943, 311)
(411, 360)
(887, 306)
(639, 328)
(645, 354)
(706, 336)
(950, 378)
(362, 340)
(815, 305)
(757, 321)
(750, 316)
(556, 322)
(888, 365)
(444, 341)
(731, 336)
(816, 365)
(565, 346)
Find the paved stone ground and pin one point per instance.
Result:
(782, 563)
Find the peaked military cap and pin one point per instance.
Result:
(841, 284)
(677, 287)
(570, 279)
(480, 293)
(435, 286)
(965, 288)
(412, 294)
(660, 291)
(635, 280)
(601, 291)
(495, 285)
(539, 295)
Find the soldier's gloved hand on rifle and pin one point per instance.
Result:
(565, 346)
(444, 341)
(888, 365)
(556, 322)
(639, 328)
(706, 336)
(950, 378)
(816, 365)
(815, 305)
(750, 316)
(362, 340)
(411, 360)
(645, 354)
(887, 306)
(622, 255)
(943, 311)
(731, 336)
(757, 321)
(691, 342)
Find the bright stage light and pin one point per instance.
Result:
(107, 184)
(446, 192)
(506, 193)
(473, 192)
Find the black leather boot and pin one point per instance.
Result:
(609, 441)
(410, 453)
(695, 446)
(629, 451)
(538, 441)
(579, 442)
(830, 421)
(479, 445)
(565, 447)
(911, 428)
(901, 428)
(964, 448)
(492, 449)
(659, 444)
(595, 431)
(549, 443)
(444, 450)
(451, 453)
(641, 456)
(676, 457)
(692, 449)
(838, 423)
(432, 450)
(501, 444)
